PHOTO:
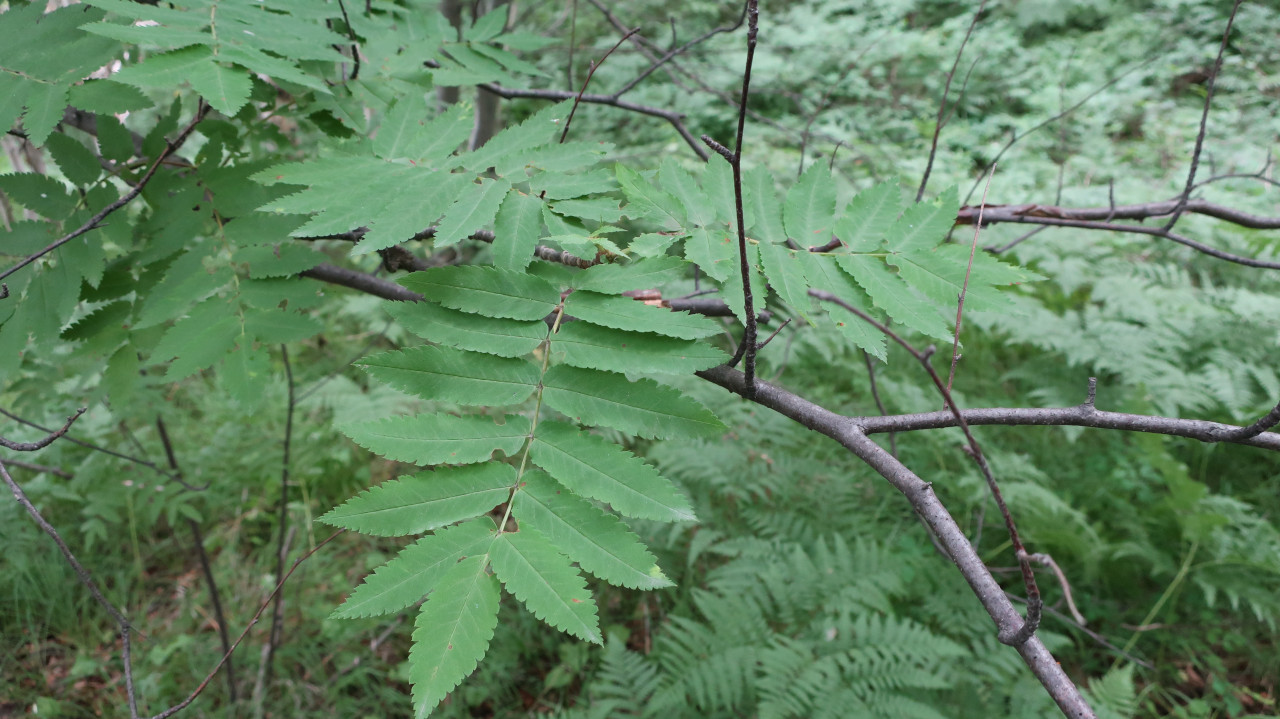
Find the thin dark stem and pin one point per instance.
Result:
(875, 395)
(1019, 136)
(964, 288)
(122, 622)
(355, 48)
(89, 445)
(590, 73)
(206, 567)
(32, 466)
(747, 349)
(676, 51)
(277, 612)
(1204, 121)
(926, 503)
(44, 441)
(942, 106)
(95, 222)
(1013, 636)
(252, 623)
(1016, 241)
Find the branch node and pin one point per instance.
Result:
(1093, 393)
(720, 149)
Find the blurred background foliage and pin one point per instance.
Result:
(787, 604)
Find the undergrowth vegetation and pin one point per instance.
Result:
(343, 288)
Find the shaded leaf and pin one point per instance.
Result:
(439, 438)
(426, 500)
(452, 632)
(643, 407)
(594, 467)
(453, 375)
(416, 569)
(600, 543)
(544, 580)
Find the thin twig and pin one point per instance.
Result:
(95, 222)
(875, 395)
(964, 288)
(206, 566)
(590, 73)
(89, 445)
(277, 613)
(1019, 136)
(122, 622)
(942, 106)
(1204, 121)
(44, 441)
(747, 349)
(1008, 635)
(1266, 422)
(252, 623)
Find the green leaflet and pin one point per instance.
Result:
(599, 542)
(761, 196)
(510, 146)
(644, 407)
(924, 224)
(810, 207)
(892, 295)
(731, 291)
(868, 217)
(678, 182)
(717, 183)
(416, 569)
(714, 249)
(786, 276)
(630, 314)
(516, 231)
(642, 274)
(200, 339)
(599, 469)
(227, 90)
(75, 160)
(453, 375)
(411, 212)
(491, 335)
(822, 273)
(452, 631)
(486, 290)
(939, 274)
(439, 438)
(426, 500)
(474, 208)
(244, 373)
(582, 344)
(544, 580)
(648, 201)
(406, 132)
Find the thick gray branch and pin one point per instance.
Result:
(1079, 416)
(920, 493)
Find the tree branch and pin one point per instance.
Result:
(920, 493)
